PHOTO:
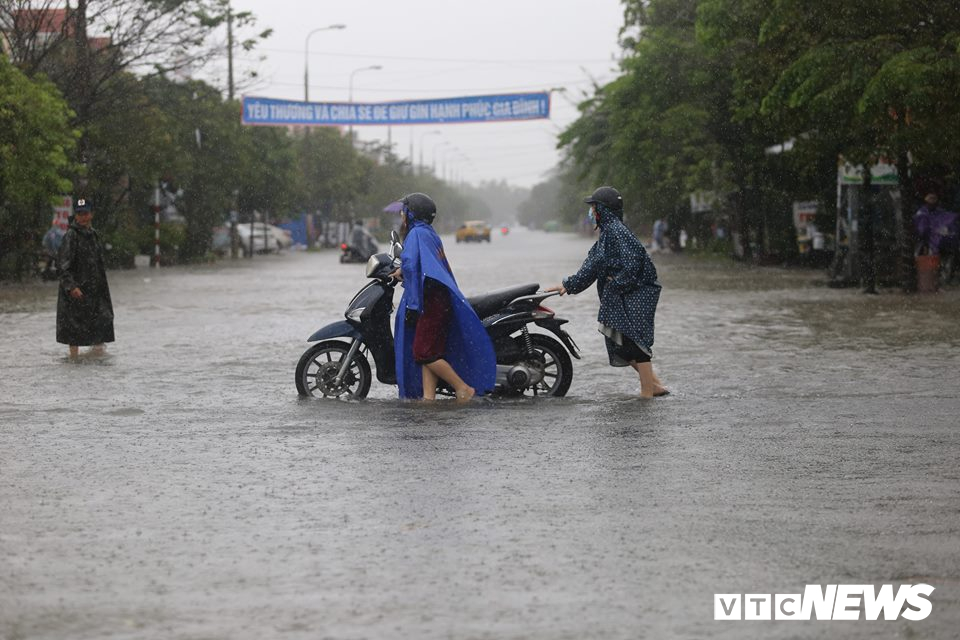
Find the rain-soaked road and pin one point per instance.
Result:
(180, 489)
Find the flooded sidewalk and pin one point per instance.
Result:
(179, 488)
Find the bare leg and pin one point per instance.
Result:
(74, 351)
(98, 349)
(429, 384)
(442, 369)
(649, 383)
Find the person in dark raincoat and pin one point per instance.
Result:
(437, 334)
(84, 308)
(628, 287)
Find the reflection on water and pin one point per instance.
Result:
(179, 483)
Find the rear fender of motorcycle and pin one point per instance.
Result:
(553, 325)
(341, 329)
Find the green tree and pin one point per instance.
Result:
(36, 142)
(650, 131)
(879, 77)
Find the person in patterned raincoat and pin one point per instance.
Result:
(628, 288)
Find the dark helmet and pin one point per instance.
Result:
(608, 197)
(421, 206)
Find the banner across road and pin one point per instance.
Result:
(499, 108)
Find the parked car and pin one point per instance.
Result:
(266, 238)
(474, 231)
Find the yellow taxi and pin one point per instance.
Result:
(474, 231)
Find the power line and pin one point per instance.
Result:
(524, 87)
(422, 59)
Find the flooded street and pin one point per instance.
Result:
(179, 488)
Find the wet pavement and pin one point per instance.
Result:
(179, 488)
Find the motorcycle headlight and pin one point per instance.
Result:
(354, 314)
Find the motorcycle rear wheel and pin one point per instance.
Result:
(317, 371)
(557, 367)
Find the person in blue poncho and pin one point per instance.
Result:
(437, 334)
(628, 287)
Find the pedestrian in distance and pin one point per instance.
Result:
(51, 246)
(659, 234)
(937, 232)
(438, 335)
(84, 307)
(627, 284)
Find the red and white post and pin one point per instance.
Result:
(156, 226)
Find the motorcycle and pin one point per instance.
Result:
(533, 364)
(349, 253)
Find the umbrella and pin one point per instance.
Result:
(394, 207)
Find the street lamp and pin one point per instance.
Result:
(374, 67)
(445, 143)
(435, 132)
(306, 58)
(443, 159)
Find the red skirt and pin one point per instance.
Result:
(430, 337)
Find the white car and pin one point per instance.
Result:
(266, 238)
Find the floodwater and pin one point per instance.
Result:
(179, 488)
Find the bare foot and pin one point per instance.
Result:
(656, 392)
(98, 350)
(463, 395)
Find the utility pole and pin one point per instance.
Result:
(156, 225)
(82, 87)
(229, 52)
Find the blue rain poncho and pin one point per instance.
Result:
(469, 349)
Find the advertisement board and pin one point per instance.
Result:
(496, 108)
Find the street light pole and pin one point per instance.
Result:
(306, 58)
(435, 147)
(422, 136)
(444, 164)
(374, 67)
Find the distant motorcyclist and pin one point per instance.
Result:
(362, 241)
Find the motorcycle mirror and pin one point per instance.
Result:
(395, 246)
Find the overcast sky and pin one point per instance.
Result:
(436, 49)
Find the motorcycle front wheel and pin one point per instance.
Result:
(318, 367)
(552, 357)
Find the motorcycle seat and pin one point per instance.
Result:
(487, 304)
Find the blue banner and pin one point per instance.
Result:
(519, 106)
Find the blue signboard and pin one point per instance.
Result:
(519, 106)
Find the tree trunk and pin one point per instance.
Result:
(906, 268)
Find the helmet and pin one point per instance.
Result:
(608, 197)
(83, 205)
(420, 206)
